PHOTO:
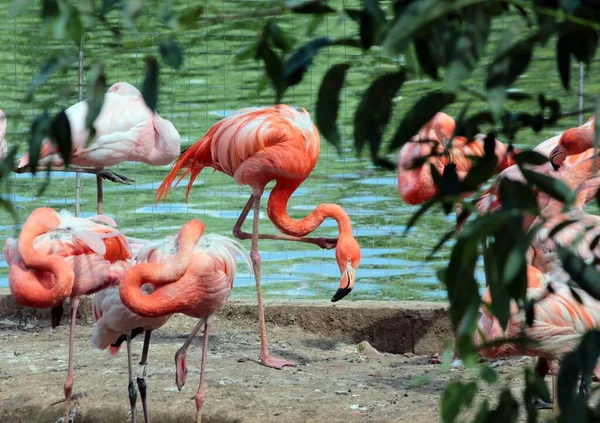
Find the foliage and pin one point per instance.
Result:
(447, 40)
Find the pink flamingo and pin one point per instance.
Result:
(191, 274)
(559, 323)
(256, 146)
(573, 141)
(57, 256)
(416, 186)
(126, 130)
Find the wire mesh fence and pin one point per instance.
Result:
(211, 85)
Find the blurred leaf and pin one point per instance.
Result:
(312, 7)
(556, 229)
(299, 62)
(573, 407)
(49, 68)
(483, 414)
(455, 397)
(470, 126)
(563, 57)
(570, 5)
(425, 56)
(488, 374)
(551, 186)
(328, 103)
(95, 99)
(249, 51)
(373, 111)
(107, 5)
(422, 210)
(273, 66)
(171, 52)
(371, 20)
(279, 37)
(449, 234)
(516, 195)
(507, 410)
(534, 388)
(529, 308)
(584, 275)
(421, 113)
(39, 131)
(50, 9)
(530, 157)
(150, 84)
(587, 353)
(188, 18)
(60, 135)
(595, 241)
(313, 24)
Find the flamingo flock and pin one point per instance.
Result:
(137, 285)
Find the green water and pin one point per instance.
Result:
(208, 87)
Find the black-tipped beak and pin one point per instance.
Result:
(341, 293)
(554, 165)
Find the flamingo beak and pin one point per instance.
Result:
(346, 285)
(557, 157)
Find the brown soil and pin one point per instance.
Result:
(335, 380)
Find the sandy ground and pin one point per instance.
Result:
(333, 381)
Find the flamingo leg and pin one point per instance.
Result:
(180, 357)
(70, 373)
(541, 368)
(555, 412)
(325, 243)
(109, 175)
(141, 377)
(200, 392)
(131, 387)
(100, 194)
(265, 358)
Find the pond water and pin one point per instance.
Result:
(211, 86)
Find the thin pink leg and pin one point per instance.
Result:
(141, 377)
(131, 386)
(70, 372)
(265, 358)
(100, 194)
(325, 243)
(200, 392)
(180, 357)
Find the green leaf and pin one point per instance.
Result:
(449, 234)
(171, 53)
(313, 24)
(107, 5)
(39, 131)
(421, 113)
(49, 68)
(534, 388)
(247, 52)
(311, 7)
(556, 229)
(188, 18)
(530, 157)
(462, 64)
(551, 186)
(50, 9)
(95, 99)
(150, 84)
(372, 22)
(584, 275)
(425, 56)
(488, 374)
(587, 353)
(563, 56)
(517, 195)
(507, 410)
(60, 135)
(573, 407)
(328, 103)
(279, 37)
(373, 111)
(273, 67)
(422, 210)
(455, 397)
(299, 62)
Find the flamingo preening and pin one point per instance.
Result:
(126, 130)
(191, 274)
(416, 185)
(57, 256)
(572, 142)
(256, 146)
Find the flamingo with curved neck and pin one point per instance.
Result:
(256, 146)
(193, 275)
(58, 256)
(573, 141)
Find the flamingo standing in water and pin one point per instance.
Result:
(559, 323)
(126, 130)
(57, 256)
(256, 146)
(191, 274)
(416, 186)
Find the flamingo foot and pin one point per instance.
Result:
(109, 175)
(72, 415)
(541, 405)
(275, 363)
(180, 370)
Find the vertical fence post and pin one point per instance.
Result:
(79, 98)
(580, 94)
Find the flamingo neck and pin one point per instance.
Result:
(27, 282)
(277, 211)
(160, 302)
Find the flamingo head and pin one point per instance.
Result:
(572, 141)
(347, 255)
(124, 88)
